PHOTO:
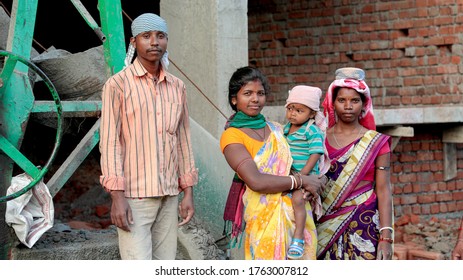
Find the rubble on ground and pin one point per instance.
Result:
(433, 238)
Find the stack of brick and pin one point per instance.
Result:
(432, 239)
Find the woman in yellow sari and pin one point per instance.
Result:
(259, 154)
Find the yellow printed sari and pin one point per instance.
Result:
(269, 218)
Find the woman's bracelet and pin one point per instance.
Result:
(383, 228)
(386, 239)
(325, 179)
(293, 182)
(300, 179)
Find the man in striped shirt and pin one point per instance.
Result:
(145, 145)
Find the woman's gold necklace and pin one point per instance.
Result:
(336, 140)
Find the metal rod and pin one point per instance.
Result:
(89, 19)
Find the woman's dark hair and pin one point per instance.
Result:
(336, 91)
(241, 77)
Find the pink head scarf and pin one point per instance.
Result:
(350, 78)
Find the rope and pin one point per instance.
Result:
(200, 91)
(188, 78)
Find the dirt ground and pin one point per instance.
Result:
(88, 207)
(82, 208)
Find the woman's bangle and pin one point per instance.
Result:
(325, 179)
(383, 228)
(293, 182)
(300, 179)
(386, 239)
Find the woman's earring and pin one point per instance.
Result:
(362, 114)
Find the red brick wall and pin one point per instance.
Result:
(411, 52)
(417, 177)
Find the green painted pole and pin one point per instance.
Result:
(113, 29)
(16, 101)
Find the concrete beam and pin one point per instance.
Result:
(419, 115)
(395, 116)
(453, 135)
(450, 161)
(399, 131)
(396, 133)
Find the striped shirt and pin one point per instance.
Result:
(307, 140)
(145, 140)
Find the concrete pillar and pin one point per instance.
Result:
(208, 40)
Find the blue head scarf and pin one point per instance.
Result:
(143, 23)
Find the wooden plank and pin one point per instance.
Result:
(450, 161)
(74, 160)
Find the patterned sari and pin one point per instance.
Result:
(270, 217)
(349, 226)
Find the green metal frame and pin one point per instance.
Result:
(113, 27)
(17, 90)
(114, 53)
(17, 99)
(9, 149)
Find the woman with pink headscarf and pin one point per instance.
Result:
(357, 202)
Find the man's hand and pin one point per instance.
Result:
(121, 213)
(186, 207)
